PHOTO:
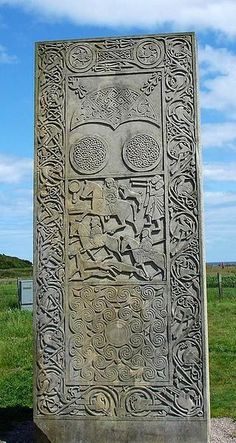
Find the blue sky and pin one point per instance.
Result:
(22, 22)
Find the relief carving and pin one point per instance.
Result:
(119, 335)
(80, 57)
(148, 53)
(141, 153)
(184, 234)
(50, 229)
(89, 155)
(130, 344)
(151, 83)
(113, 106)
(115, 55)
(114, 227)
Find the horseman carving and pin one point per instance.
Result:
(116, 228)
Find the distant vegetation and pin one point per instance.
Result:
(16, 273)
(7, 262)
(14, 267)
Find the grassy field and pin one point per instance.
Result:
(16, 344)
(222, 352)
(16, 349)
(226, 270)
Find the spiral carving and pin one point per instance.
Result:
(126, 329)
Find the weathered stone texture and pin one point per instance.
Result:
(119, 297)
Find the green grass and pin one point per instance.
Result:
(222, 353)
(228, 281)
(16, 388)
(8, 294)
(16, 350)
(228, 275)
(228, 295)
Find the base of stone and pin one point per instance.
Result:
(55, 430)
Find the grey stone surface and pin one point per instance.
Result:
(223, 430)
(121, 351)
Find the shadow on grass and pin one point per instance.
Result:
(16, 424)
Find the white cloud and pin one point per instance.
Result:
(206, 14)
(218, 67)
(14, 170)
(5, 57)
(220, 171)
(218, 198)
(216, 60)
(16, 220)
(219, 135)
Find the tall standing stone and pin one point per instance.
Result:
(120, 307)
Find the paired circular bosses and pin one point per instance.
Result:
(89, 154)
(141, 153)
(81, 56)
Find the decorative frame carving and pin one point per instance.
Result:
(173, 57)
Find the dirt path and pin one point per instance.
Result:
(223, 430)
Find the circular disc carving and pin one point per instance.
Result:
(117, 333)
(141, 153)
(148, 53)
(89, 155)
(100, 401)
(80, 57)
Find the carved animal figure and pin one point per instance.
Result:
(126, 192)
(92, 238)
(106, 203)
(85, 269)
(143, 253)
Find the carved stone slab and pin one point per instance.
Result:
(119, 285)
